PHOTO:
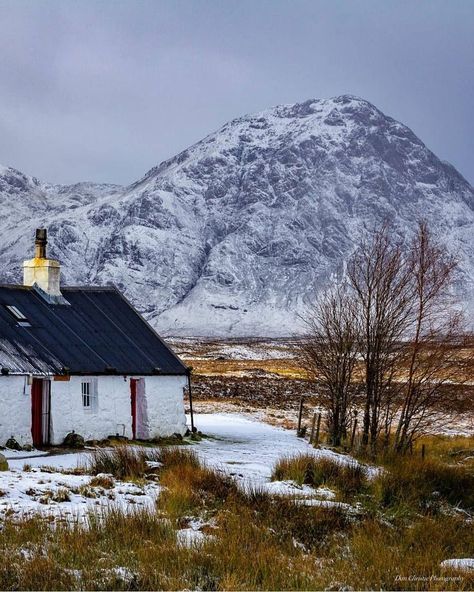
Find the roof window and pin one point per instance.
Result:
(18, 315)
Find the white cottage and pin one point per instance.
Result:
(82, 360)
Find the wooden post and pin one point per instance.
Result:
(193, 429)
(423, 451)
(318, 426)
(354, 427)
(300, 417)
(313, 425)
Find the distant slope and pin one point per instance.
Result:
(235, 235)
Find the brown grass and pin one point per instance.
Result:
(123, 462)
(348, 478)
(425, 485)
(258, 543)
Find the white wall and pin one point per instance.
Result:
(164, 403)
(164, 396)
(15, 409)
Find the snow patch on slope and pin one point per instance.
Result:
(236, 234)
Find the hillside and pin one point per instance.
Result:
(235, 235)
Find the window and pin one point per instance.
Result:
(89, 394)
(18, 315)
(86, 394)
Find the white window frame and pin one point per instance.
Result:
(89, 394)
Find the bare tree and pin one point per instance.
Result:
(430, 354)
(395, 313)
(381, 280)
(329, 353)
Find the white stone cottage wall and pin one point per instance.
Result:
(164, 396)
(112, 415)
(15, 409)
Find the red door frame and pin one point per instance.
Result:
(38, 411)
(133, 402)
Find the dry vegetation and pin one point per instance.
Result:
(251, 540)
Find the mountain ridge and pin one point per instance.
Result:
(236, 234)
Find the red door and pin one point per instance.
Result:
(133, 400)
(40, 411)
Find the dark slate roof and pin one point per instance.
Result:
(98, 332)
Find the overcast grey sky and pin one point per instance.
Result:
(104, 90)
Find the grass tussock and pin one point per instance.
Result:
(122, 462)
(306, 469)
(448, 448)
(104, 481)
(425, 485)
(189, 485)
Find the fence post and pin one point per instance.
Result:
(313, 425)
(318, 426)
(423, 451)
(190, 393)
(354, 427)
(300, 417)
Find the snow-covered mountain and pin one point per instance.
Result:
(235, 235)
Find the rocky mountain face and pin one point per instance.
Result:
(236, 235)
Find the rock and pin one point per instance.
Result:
(3, 463)
(12, 444)
(73, 440)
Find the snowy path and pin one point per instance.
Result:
(249, 449)
(243, 447)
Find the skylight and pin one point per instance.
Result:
(16, 312)
(18, 315)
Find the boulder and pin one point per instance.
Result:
(73, 440)
(13, 444)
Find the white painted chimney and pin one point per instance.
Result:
(43, 272)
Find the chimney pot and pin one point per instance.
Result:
(40, 243)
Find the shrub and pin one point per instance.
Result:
(59, 495)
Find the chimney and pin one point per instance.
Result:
(43, 272)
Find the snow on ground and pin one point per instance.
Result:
(253, 352)
(192, 349)
(243, 447)
(22, 454)
(193, 535)
(466, 564)
(67, 496)
(249, 449)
